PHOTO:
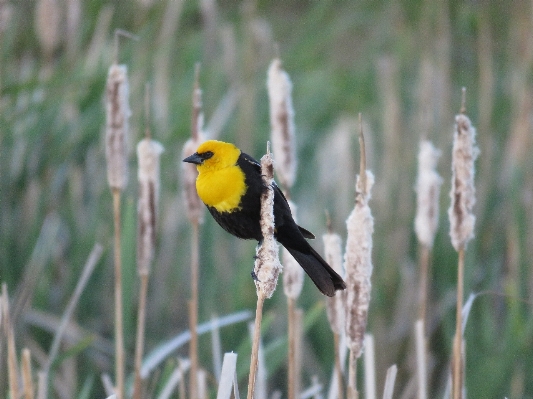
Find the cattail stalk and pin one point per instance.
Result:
(117, 127)
(195, 209)
(282, 134)
(358, 266)
(335, 304)
(426, 224)
(12, 363)
(267, 266)
(148, 153)
(27, 379)
(462, 220)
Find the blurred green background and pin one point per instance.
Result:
(402, 64)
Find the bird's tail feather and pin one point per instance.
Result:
(324, 277)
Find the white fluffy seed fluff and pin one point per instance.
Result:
(117, 115)
(334, 305)
(427, 193)
(358, 266)
(282, 123)
(267, 266)
(195, 207)
(148, 153)
(463, 192)
(293, 274)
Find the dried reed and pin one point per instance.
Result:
(12, 363)
(282, 133)
(335, 306)
(462, 220)
(358, 266)
(27, 379)
(195, 210)
(426, 223)
(117, 115)
(148, 153)
(267, 266)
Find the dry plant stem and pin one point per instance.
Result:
(27, 381)
(139, 345)
(421, 363)
(12, 366)
(255, 345)
(352, 377)
(119, 326)
(424, 278)
(292, 349)
(193, 311)
(457, 347)
(338, 368)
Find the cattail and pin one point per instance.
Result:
(117, 115)
(148, 152)
(267, 266)
(463, 192)
(428, 191)
(293, 274)
(358, 265)
(47, 19)
(335, 304)
(195, 207)
(282, 123)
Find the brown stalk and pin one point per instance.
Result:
(27, 381)
(255, 345)
(457, 382)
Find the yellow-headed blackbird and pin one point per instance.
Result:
(229, 183)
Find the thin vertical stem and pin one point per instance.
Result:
(255, 344)
(139, 345)
(423, 287)
(352, 377)
(193, 312)
(457, 353)
(338, 368)
(292, 350)
(119, 326)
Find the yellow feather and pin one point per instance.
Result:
(220, 183)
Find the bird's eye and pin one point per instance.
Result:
(206, 155)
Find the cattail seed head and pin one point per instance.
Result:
(267, 266)
(358, 265)
(282, 123)
(334, 305)
(117, 115)
(463, 192)
(148, 153)
(293, 274)
(428, 191)
(195, 207)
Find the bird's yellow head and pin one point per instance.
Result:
(214, 155)
(221, 182)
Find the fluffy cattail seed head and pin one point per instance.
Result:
(334, 305)
(148, 153)
(195, 207)
(463, 192)
(428, 191)
(267, 266)
(282, 123)
(117, 115)
(358, 265)
(293, 274)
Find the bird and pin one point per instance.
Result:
(229, 183)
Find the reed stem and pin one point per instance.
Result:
(193, 311)
(139, 345)
(255, 345)
(457, 347)
(119, 326)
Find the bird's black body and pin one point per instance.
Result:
(244, 223)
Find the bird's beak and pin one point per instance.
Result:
(194, 158)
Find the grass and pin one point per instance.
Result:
(55, 203)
